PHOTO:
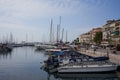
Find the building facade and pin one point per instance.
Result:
(110, 34)
(93, 33)
(84, 38)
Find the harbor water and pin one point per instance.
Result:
(24, 63)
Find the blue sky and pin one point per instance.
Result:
(32, 17)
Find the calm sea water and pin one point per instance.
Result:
(24, 64)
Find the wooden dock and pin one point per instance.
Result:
(115, 58)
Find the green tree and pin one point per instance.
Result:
(76, 41)
(98, 37)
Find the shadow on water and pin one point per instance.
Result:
(43, 52)
(37, 51)
(5, 55)
(83, 76)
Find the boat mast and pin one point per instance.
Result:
(57, 39)
(59, 28)
(26, 38)
(66, 36)
(62, 34)
(11, 38)
(53, 37)
(51, 31)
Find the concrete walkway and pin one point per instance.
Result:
(114, 57)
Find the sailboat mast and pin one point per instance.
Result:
(51, 31)
(66, 36)
(57, 39)
(26, 38)
(53, 37)
(62, 34)
(11, 38)
(59, 28)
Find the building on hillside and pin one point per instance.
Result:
(85, 38)
(111, 33)
(89, 36)
(93, 32)
(116, 33)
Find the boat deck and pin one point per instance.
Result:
(96, 63)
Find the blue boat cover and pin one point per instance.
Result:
(58, 53)
(100, 58)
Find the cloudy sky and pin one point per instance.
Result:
(31, 18)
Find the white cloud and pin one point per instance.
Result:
(31, 8)
(14, 13)
(15, 10)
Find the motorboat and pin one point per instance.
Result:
(71, 61)
(88, 66)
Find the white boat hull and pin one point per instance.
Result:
(106, 68)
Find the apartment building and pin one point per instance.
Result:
(110, 34)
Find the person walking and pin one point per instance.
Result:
(107, 50)
(94, 49)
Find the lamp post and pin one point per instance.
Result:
(109, 41)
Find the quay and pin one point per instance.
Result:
(114, 57)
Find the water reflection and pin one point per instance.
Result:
(86, 76)
(24, 64)
(5, 55)
(83, 76)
